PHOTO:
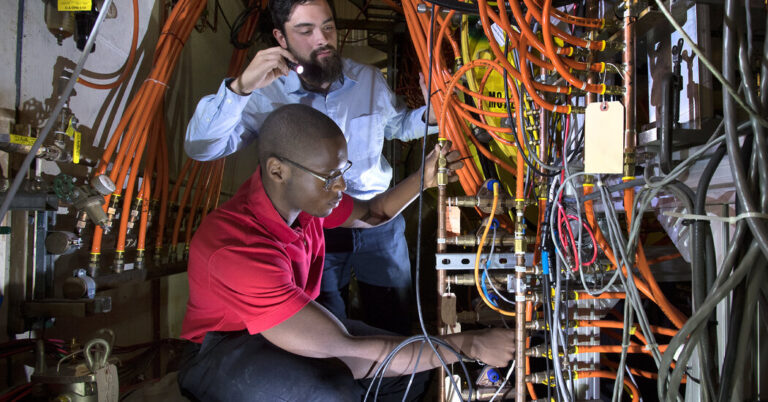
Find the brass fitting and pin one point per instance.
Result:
(119, 261)
(135, 209)
(139, 259)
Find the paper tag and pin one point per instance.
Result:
(22, 140)
(448, 309)
(75, 5)
(452, 220)
(604, 138)
(107, 385)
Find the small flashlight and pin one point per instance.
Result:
(298, 68)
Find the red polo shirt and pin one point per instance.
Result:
(248, 269)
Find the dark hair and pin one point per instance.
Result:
(293, 131)
(281, 11)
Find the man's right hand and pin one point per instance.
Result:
(266, 66)
(495, 347)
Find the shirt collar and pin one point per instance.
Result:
(262, 209)
(293, 83)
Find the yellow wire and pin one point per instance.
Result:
(480, 251)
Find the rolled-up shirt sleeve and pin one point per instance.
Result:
(216, 129)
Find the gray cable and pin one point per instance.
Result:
(63, 97)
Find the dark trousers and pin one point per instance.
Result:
(379, 258)
(236, 366)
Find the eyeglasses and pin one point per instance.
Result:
(329, 179)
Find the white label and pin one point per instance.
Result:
(604, 138)
(107, 385)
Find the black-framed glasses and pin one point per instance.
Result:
(328, 179)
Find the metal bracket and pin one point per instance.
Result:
(466, 261)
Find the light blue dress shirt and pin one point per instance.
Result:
(362, 105)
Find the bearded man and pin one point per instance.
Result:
(356, 97)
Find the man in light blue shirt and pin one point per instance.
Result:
(357, 98)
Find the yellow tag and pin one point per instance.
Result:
(632, 330)
(604, 138)
(75, 5)
(22, 140)
(70, 130)
(76, 148)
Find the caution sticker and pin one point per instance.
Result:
(22, 140)
(75, 5)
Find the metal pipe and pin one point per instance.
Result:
(442, 182)
(592, 9)
(630, 133)
(520, 305)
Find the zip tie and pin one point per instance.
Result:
(730, 219)
(156, 82)
(651, 346)
(173, 35)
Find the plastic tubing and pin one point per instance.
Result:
(145, 193)
(597, 23)
(620, 325)
(635, 349)
(122, 231)
(200, 191)
(494, 205)
(612, 376)
(590, 213)
(677, 318)
(127, 68)
(564, 71)
(193, 175)
(546, 11)
(165, 200)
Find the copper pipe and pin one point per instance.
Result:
(630, 138)
(591, 11)
(520, 306)
(442, 181)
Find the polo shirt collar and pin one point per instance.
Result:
(262, 209)
(293, 83)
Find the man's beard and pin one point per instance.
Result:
(318, 72)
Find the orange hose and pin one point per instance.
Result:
(620, 325)
(635, 394)
(127, 68)
(677, 318)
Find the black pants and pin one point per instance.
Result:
(236, 366)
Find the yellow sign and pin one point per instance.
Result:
(76, 148)
(22, 140)
(75, 5)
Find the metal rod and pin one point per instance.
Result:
(52, 119)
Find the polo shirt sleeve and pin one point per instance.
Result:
(256, 284)
(340, 214)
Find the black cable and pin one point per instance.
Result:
(701, 239)
(520, 148)
(421, 215)
(238, 25)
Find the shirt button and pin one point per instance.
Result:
(229, 100)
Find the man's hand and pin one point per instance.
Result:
(425, 92)
(495, 347)
(266, 66)
(454, 163)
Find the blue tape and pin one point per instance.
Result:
(545, 262)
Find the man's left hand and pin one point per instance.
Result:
(453, 159)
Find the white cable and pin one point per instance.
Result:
(509, 372)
